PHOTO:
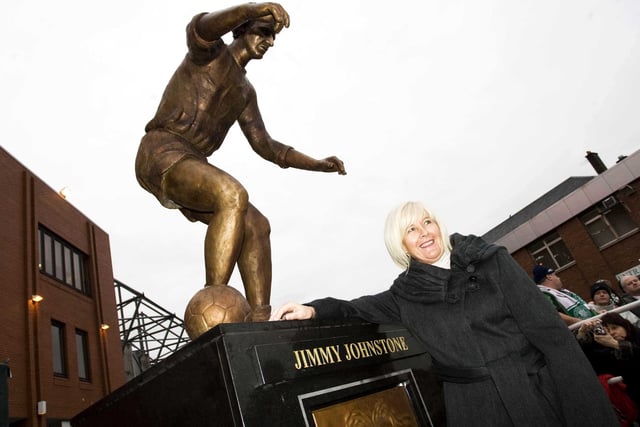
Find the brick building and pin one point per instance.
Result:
(587, 228)
(61, 355)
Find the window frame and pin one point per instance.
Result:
(541, 250)
(602, 214)
(82, 355)
(59, 340)
(56, 257)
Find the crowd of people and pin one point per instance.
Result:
(610, 340)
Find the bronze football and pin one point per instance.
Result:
(213, 305)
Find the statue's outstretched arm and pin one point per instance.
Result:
(214, 25)
(268, 148)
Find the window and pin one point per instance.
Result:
(57, 349)
(550, 251)
(62, 261)
(82, 351)
(607, 223)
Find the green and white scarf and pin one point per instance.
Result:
(568, 302)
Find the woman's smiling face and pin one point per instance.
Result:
(423, 241)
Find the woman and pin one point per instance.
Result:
(613, 350)
(503, 354)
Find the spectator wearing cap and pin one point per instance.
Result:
(569, 305)
(603, 298)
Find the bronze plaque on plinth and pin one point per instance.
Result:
(392, 405)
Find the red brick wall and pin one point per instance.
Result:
(14, 295)
(25, 336)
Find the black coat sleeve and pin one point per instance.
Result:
(379, 308)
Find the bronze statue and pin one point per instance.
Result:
(207, 94)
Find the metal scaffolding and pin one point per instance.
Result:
(149, 333)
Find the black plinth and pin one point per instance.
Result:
(309, 373)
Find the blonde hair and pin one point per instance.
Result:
(395, 228)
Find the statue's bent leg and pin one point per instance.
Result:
(254, 264)
(222, 245)
(216, 198)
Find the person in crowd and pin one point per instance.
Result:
(630, 286)
(569, 305)
(603, 298)
(612, 345)
(208, 93)
(503, 354)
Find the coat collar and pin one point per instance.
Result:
(426, 283)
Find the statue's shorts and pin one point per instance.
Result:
(159, 150)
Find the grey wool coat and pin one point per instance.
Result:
(505, 357)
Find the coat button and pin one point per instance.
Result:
(473, 278)
(471, 269)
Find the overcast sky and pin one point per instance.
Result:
(474, 107)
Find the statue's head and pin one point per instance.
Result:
(257, 36)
